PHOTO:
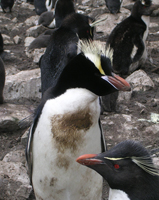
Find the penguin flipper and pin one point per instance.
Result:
(140, 48)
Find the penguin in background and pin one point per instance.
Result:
(128, 39)
(47, 19)
(62, 9)
(63, 47)
(114, 5)
(2, 80)
(7, 4)
(66, 124)
(42, 6)
(129, 170)
(1, 43)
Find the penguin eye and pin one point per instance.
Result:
(116, 166)
(87, 31)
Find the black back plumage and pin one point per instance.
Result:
(113, 5)
(40, 6)
(63, 47)
(127, 34)
(127, 167)
(62, 9)
(1, 43)
(7, 4)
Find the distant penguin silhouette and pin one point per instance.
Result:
(128, 169)
(113, 5)
(2, 80)
(7, 4)
(47, 19)
(42, 6)
(128, 38)
(63, 47)
(62, 9)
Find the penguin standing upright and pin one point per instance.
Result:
(42, 6)
(7, 4)
(128, 169)
(114, 5)
(63, 47)
(2, 80)
(67, 124)
(128, 38)
(62, 9)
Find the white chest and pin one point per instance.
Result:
(64, 132)
(117, 195)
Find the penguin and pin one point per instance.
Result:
(2, 80)
(62, 9)
(128, 38)
(42, 6)
(7, 4)
(128, 169)
(62, 47)
(47, 19)
(114, 5)
(67, 124)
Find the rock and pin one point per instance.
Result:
(24, 85)
(14, 181)
(140, 81)
(11, 115)
(31, 21)
(36, 54)
(24, 137)
(15, 156)
(17, 39)
(124, 96)
(28, 41)
(35, 31)
(7, 40)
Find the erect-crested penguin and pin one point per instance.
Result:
(128, 38)
(42, 6)
(128, 169)
(67, 125)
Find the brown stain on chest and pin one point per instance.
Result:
(68, 130)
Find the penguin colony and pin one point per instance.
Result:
(75, 73)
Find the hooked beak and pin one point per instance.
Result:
(118, 82)
(88, 159)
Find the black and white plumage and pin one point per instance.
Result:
(47, 19)
(128, 169)
(67, 124)
(7, 4)
(63, 47)
(114, 5)
(63, 8)
(128, 38)
(42, 6)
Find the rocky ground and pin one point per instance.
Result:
(137, 115)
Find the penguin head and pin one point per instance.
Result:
(123, 166)
(113, 6)
(80, 24)
(142, 7)
(91, 70)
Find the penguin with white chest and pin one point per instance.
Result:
(63, 47)
(42, 6)
(128, 39)
(128, 169)
(67, 124)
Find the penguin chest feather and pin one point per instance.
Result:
(68, 127)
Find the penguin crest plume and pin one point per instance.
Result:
(93, 50)
(144, 162)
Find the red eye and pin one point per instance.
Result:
(87, 31)
(116, 166)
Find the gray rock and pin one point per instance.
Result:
(28, 41)
(32, 21)
(15, 156)
(35, 54)
(17, 39)
(14, 181)
(24, 85)
(35, 31)
(11, 115)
